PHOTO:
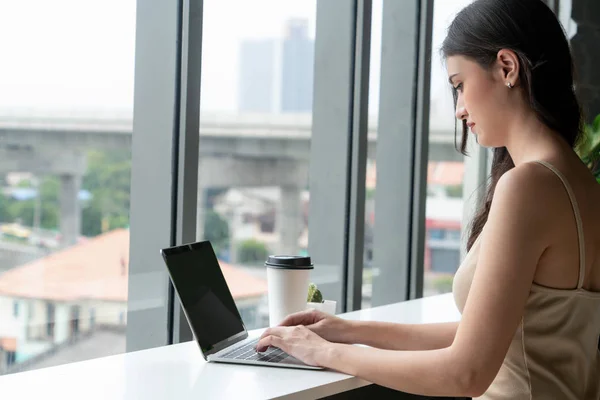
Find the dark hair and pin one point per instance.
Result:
(532, 31)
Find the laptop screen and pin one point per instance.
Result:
(204, 295)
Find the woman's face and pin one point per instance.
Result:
(482, 100)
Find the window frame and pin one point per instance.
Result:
(399, 232)
(165, 142)
(168, 39)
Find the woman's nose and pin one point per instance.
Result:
(461, 112)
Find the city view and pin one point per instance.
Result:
(66, 126)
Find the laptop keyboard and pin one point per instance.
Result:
(248, 352)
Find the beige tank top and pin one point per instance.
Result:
(554, 352)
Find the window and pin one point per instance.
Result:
(437, 234)
(370, 270)
(448, 184)
(66, 115)
(255, 135)
(280, 147)
(75, 321)
(92, 318)
(394, 177)
(50, 320)
(10, 358)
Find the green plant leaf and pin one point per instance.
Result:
(596, 124)
(312, 288)
(314, 294)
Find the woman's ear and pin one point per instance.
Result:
(508, 67)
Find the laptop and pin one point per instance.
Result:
(211, 311)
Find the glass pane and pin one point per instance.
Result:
(255, 127)
(66, 103)
(369, 270)
(444, 208)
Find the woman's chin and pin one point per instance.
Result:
(481, 141)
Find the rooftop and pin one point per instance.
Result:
(97, 269)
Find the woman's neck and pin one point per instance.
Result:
(530, 140)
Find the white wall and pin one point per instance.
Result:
(37, 319)
(62, 329)
(32, 318)
(10, 325)
(28, 349)
(107, 313)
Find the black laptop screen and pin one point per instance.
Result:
(201, 286)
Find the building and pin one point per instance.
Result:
(443, 215)
(77, 299)
(251, 214)
(297, 68)
(276, 75)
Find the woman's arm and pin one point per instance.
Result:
(425, 373)
(516, 234)
(515, 238)
(391, 336)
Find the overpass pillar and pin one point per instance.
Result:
(70, 211)
(289, 219)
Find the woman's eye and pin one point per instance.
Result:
(459, 87)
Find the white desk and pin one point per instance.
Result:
(180, 372)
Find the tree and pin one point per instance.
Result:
(24, 210)
(108, 179)
(455, 190)
(252, 251)
(216, 229)
(588, 148)
(370, 194)
(4, 212)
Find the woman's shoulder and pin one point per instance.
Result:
(529, 182)
(530, 190)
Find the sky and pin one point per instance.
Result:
(79, 54)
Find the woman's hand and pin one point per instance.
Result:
(327, 326)
(297, 341)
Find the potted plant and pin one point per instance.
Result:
(589, 148)
(315, 300)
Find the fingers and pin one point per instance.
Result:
(269, 332)
(277, 330)
(268, 341)
(299, 318)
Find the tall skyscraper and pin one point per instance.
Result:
(277, 75)
(297, 68)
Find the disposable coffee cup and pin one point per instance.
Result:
(287, 281)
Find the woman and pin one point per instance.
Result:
(529, 288)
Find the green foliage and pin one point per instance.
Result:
(108, 179)
(443, 284)
(252, 251)
(4, 212)
(91, 221)
(589, 148)
(25, 183)
(314, 294)
(25, 210)
(370, 194)
(455, 191)
(216, 229)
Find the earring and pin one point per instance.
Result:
(510, 86)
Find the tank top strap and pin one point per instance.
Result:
(578, 220)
